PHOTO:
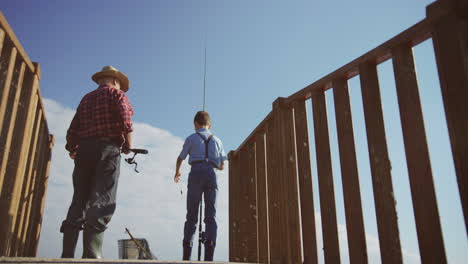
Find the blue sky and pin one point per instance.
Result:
(256, 52)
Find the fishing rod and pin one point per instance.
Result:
(204, 80)
(132, 159)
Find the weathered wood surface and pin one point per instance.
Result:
(97, 261)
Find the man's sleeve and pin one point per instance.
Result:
(185, 149)
(126, 113)
(72, 134)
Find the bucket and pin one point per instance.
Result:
(129, 250)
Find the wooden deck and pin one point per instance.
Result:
(93, 261)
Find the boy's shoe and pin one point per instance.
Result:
(209, 250)
(187, 250)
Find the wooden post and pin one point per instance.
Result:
(276, 223)
(325, 178)
(450, 38)
(390, 248)
(11, 187)
(262, 199)
(38, 161)
(233, 206)
(304, 171)
(23, 133)
(349, 174)
(43, 191)
(31, 175)
(431, 245)
(251, 205)
(7, 64)
(289, 180)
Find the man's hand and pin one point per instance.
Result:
(72, 154)
(177, 177)
(125, 149)
(127, 145)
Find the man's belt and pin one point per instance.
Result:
(204, 161)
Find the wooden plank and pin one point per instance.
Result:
(304, 170)
(31, 179)
(38, 161)
(7, 66)
(390, 248)
(289, 181)
(45, 181)
(103, 261)
(233, 167)
(325, 179)
(431, 245)
(10, 188)
(242, 235)
(349, 173)
(276, 224)
(23, 133)
(262, 199)
(251, 205)
(2, 39)
(450, 40)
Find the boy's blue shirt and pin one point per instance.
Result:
(194, 146)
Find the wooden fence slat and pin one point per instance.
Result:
(309, 236)
(13, 182)
(233, 205)
(325, 179)
(431, 245)
(290, 182)
(43, 190)
(35, 210)
(243, 209)
(250, 206)
(450, 38)
(349, 174)
(2, 40)
(276, 225)
(31, 176)
(262, 199)
(23, 133)
(7, 65)
(390, 248)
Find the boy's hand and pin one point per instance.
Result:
(72, 155)
(177, 177)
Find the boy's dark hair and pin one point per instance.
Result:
(202, 118)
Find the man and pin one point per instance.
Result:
(99, 131)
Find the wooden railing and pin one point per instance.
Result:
(271, 209)
(25, 148)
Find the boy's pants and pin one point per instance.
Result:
(202, 179)
(95, 178)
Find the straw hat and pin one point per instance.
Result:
(109, 71)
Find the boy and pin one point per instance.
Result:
(205, 154)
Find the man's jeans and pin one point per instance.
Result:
(95, 178)
(202, 179)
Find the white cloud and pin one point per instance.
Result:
(149, 203)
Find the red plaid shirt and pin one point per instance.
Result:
(104, 112)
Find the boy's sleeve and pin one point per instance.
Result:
(185, 149)
(222, 154)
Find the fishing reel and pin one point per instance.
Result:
(132, 159)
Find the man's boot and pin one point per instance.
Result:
(209, 250)
(92, 243)
(187, 250)
(70, 238)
